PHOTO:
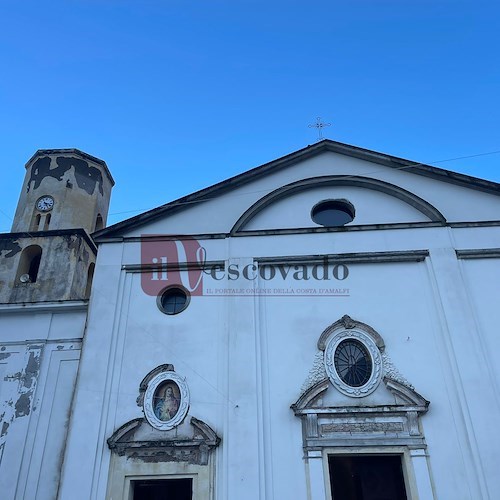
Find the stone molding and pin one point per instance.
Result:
(393, 424)
(137, 439)
(380, 425)
(423, 206)
(346, 322)
(145, 381)
(367, 341)
(149, 404)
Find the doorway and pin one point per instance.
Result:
(163, 489)
(366, 477)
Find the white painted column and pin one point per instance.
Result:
(421, 473)
(241, 438)
(461, 347)
(87, 457)
(316, 475)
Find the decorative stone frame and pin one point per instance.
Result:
(169, 288)
(409, 476)
(390, 424)
(199, 476)
(344, 203)
(365, 428)
(162, 457)
(152, 387)
(183, 447)
(374, 353)
(134, 440)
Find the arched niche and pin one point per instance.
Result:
(99, 223)
(35, 225)
(29, 264)
(90, 277)
(46, 223)
(428, 212)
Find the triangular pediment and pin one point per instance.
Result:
(401, 191)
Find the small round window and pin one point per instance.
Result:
(173, 300)
(353, 363)
(333, 213)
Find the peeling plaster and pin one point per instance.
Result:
(26, 380)
(86, 176)
(73, 242)
(10, 246)
(23, 405)
(4, 355)
(31, 371)
(5, 426)
(14, 376)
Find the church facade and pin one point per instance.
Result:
(322, 327)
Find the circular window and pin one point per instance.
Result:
(333, 213)
(353, 363)
(173, 300)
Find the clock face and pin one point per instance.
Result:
(45, 203)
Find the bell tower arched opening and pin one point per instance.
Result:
(29, 264)
(90, 277)
(99, 223)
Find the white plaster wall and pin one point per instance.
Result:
(245, 359)
(481, 279)
(402, 311)
(39, 354)
(372, 207)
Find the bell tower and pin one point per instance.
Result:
(46, 270)
(49, 255)
(63, 189)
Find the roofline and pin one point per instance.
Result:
(302, 154)
(73, 151)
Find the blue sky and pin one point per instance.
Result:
(177, 95)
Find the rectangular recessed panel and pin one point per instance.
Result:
(361, 477)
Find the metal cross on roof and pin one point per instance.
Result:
(319, 125)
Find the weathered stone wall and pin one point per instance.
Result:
(79, 184)
(66, 257)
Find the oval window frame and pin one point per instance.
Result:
(342, 205)
(337, 359)
(372, 350)
(153, 386)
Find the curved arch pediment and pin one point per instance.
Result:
(137, 439)
(424, 207)
(348, 323)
